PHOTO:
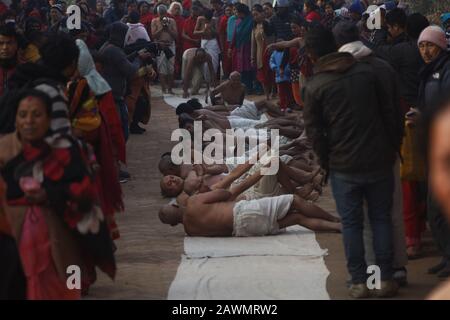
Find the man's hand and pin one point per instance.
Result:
(151, 73)
(230, 53)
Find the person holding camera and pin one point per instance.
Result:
(164, 31)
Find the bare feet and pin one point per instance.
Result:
(305, 190)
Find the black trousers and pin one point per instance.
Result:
(439, 225)
(12, 278)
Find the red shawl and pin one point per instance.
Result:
(189, 27)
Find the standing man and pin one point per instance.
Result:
(8, 55)
(164, 31)
(345, 118)
(193, 70)
(280, 22)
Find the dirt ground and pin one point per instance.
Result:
(148, 252)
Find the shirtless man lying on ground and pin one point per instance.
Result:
(213, 214)
(248, 110)
(198, 181)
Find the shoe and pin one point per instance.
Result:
(445, 272)
(289, 110)
(441, 265)
(123, 176)
(401, 276)
(358, 291)
(136, 129)
(389, 289)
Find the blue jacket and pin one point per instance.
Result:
(275, 62)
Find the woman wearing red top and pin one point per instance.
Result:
(223, 42)
(189, 40)
(310, 10)
(146, 16)
(175, 10)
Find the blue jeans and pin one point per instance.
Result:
(377, 189)
(122, 111)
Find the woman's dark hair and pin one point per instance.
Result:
(24, 93)
(60, 51)
(266, 25)
(140, 4)
(415, 24)
(310, 4)
(257, 7)
(242, 8)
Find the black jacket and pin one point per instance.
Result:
(403, 55)
(345, 115)
(435, 82)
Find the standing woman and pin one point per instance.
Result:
(146, 16)
(207, 31)
(260, 56)
(223, 40)
(51, 199)
(241, 46)
(310, 10)
(299, 61)
(90, 123)
(175, 11)
(435, 83)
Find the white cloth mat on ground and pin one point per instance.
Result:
(286, 266)
(251, 278)
(296, 241)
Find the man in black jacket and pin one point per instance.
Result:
(402, 53)
(346, 119)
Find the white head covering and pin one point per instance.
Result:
(87, 70)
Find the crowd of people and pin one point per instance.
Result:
(355, 107)
(364, 98)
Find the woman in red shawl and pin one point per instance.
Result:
(189, 39)
(51, 199)
(223, 41)
(175, 11)
(146, 16)
(93, 121)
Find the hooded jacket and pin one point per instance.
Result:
(116, 69)
(343, 116)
